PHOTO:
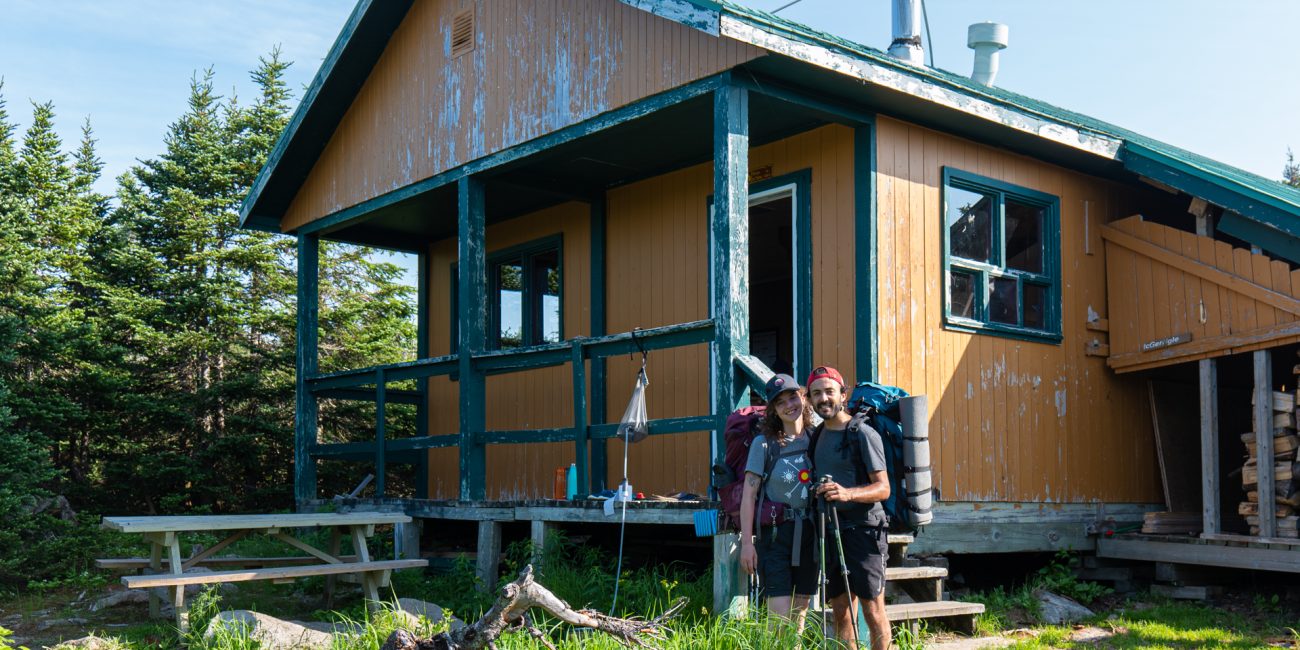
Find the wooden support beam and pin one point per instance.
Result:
(580, 433)
(730, 583)
(422, 342)
(1209, 390)
(729, 250)
(305, 404)
(540, 530)
(864, 233)
(472, 292)
(1263, 364)
(406, 539)
(489, 554)
(599, 387)
(381, 408)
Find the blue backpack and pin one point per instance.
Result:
(877, 405)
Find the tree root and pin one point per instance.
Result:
(510, 614)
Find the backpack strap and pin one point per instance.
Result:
(855, 449)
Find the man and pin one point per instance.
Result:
(857, 485)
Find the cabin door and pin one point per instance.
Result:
(775, 323)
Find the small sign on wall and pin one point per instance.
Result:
(1166, 342)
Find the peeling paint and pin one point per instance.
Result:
(681, 11)
(1060, 403)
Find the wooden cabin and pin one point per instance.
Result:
(736, 193)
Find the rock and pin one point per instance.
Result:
(59, 622)
(91, 642)
(430, 611)
(117, 598)
(1056, 609)
(1092, 635)
(270, 632)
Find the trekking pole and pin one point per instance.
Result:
(822, 580)
(844, 568)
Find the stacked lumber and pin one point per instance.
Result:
(1286, 472)
(1167, 523)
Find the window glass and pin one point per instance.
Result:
(1035, 306)
(510, 304)
(1003, 305)
(961, 294)
(1024, 243)
(970, 224)
(546, 278)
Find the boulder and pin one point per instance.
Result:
(430, 611)
(91, 642)
(123, 597)
(1056, 609)
(269, 632)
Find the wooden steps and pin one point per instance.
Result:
(940, 609)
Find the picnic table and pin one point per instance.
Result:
(164, 534)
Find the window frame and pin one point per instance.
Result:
(996, 267)
(531, 299)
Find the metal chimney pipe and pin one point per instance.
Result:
(987, 39)
(907, 32)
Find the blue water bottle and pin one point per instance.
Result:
(571, 492)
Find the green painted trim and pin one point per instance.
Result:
(355, 214)
(405, 370)
(1273, 241)
(580, 455)
(411, 397)
(307, 356)
(756, 372)
(364, 452)
(473, 320)
(523, 251)
(865, 283)
(729, 252)
(703, 16)
(365, 33)
(599, 381)
(844, 113)
(422, 352)
(655, 338)
(425, 442)
(381, 417)
(997, 267)
(662, 426)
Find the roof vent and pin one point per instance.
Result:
(907, 32)
(462, 32)
(987, 39)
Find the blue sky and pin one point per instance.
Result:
(1218, 78)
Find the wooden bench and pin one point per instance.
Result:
(167, 568)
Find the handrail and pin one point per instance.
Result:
(418, 369)
(756, 372)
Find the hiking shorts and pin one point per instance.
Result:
(775, 552)
(866, 549)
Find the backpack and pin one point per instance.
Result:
(877, 405)
(742, 427)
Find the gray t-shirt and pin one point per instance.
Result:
(791, 476)
(833, 457)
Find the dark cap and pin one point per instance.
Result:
(779, 384)
(825, 372)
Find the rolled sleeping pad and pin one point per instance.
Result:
(914, 416)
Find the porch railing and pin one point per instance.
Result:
(372, 384)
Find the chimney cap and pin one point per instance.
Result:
(987, 33)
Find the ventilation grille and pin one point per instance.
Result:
(462, 32)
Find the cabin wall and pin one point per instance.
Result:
(657, 274)
(1011, 420)
(537, 66)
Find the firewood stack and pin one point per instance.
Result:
(1285, 469)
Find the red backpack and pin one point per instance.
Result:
(742, 428)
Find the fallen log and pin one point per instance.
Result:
(510, 614)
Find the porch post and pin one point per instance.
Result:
(305, 407)
(864, 229)
(599, 449)
(729, 250)
(1264, 441)
(472, 299)
(729, 293)
(1211, 518)
(422, 384)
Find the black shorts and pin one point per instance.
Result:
(865, 551)
(775, 552)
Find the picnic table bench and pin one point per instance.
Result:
(167, 566)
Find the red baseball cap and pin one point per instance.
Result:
(821, 372)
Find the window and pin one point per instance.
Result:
(524, 296)
(1002, 252)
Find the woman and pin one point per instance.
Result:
(781, 551)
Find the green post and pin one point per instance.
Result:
(580, 433)
(305, 408)
(472, 290)
(422, 384)
(599, 449)
(381, 399)
(864, 228)
(729, 250)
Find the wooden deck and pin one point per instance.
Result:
(1221, 551)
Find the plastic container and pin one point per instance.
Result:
(571, 491)
(560, 489)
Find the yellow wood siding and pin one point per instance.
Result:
(1010, 420)
(537, 66)
(535, 399)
